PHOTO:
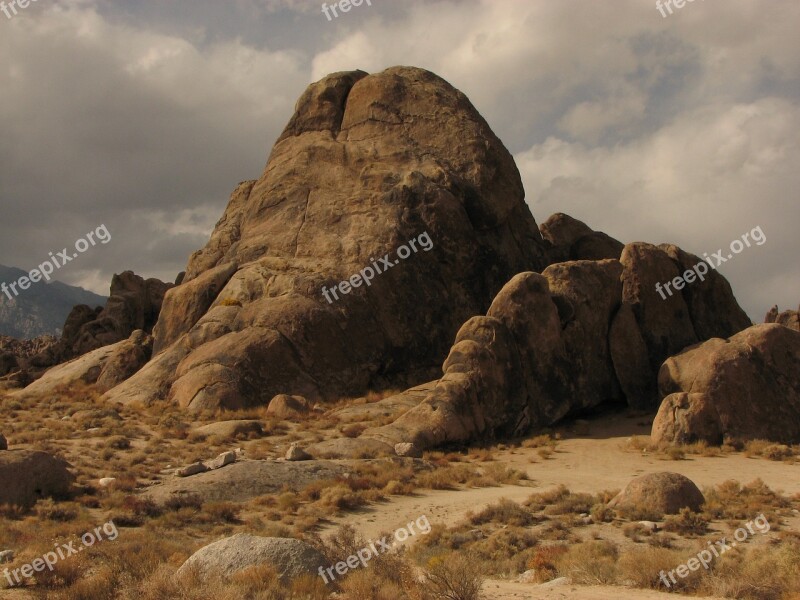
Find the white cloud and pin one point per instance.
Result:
(701, 181)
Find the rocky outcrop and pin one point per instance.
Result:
(571, 239)
(746, 387)
(247, 479)
(284, 406)
(367, 164)
(27, 476)
(238, 428)
(289, 557)
(106, 366)
(134, 304)
(15, 357)
(787, 318)
(580, 334)
(659, 494)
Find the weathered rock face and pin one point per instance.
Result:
(106, 366)
(291, 558)
(659, 494)
(134, 304)
(15, 357)
(27, 475)
(746, 387)
(581, 333)
(787, 318)
(284, 406)
(571, 239)
(366, 164)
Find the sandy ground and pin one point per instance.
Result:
(504, 590)
(589, 463)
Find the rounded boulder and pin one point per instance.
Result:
(659, 494)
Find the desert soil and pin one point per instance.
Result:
(597, 461)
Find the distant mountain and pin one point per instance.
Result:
(42, 308)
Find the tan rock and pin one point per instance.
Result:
(27, 476)
(223, 460)
(232, 429)
(289, 557)
(295, 453)
(407, 449)
(746, 387)
(659, 494)
(787, 318)
(284, 406)
(193, 469)
(343, 187)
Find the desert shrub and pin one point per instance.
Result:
(365, 584)
(230, 302)
(180, 501)
(504, 551)
(339, 545)
(601, 513)
(544, 559)
(353, 430)
(642, 567)
(675, 453)
(506, 512)
(454, 577)
(756, 447)
(222, 512)
(340, 497)
(54, 511)
(778, 452)
(764, 574)
(447, 478)
(731, 500)
(540, 441)
(497, 473)
(591, 563)
(686, 522)
(308, 587)
(142, 507)
(635, 531)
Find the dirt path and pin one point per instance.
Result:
(590, 463)
(505, 590)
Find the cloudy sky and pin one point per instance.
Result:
(144, 114)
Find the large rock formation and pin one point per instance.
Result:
(366, 164)
(372, 162)
(746, 387)
(107, 367)
(134, 304)
(580, 334)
